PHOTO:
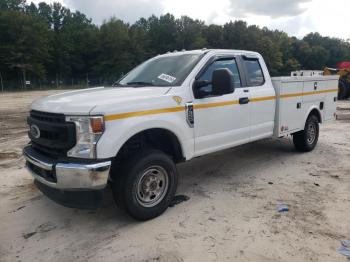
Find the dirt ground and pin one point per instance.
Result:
(230, 216)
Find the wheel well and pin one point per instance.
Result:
(157, 138)
(316, 113)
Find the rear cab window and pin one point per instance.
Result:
(254, 72)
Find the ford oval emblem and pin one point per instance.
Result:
(35, 131)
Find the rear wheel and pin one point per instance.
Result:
(306, 140)
(146, 184)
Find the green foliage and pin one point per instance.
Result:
(214, 35)
(189, 33)
(24, 43)
(12, 5)
(113, 49)
(51, 43)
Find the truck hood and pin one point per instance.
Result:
(82, 102)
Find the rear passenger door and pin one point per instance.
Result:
(262, 97)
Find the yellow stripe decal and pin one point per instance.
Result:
(291, 95)
(217, 104)
(144, 113)
(259, 99)
(208, 105)
(309, 93)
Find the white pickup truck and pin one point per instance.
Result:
(171, 108)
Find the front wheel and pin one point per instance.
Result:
(147, 184)
(306, 140)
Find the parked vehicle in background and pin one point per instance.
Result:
(343, 71)
(171, 108)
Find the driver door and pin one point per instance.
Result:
(221, 121)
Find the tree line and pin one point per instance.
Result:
(50, 45)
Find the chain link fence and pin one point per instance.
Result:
(34, 84)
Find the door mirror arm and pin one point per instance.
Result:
(201, 83)
(198, 89)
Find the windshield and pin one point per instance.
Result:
(162, 71)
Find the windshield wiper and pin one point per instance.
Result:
(116, 84)
(140, 83)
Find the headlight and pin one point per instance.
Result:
(88, 131)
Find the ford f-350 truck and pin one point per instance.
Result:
(171, 108)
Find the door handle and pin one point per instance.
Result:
(243, 100)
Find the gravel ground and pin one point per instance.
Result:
(230, 215)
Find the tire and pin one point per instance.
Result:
(306, 140)
(344, 91)
(146, 184)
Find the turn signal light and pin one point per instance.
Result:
(97, 125)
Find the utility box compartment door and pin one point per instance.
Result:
(314, 94)
(313, 91)
(321, 92)
(331, 96)
(289, 106)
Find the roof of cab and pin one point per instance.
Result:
(204, 51)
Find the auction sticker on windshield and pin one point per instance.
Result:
(167, 78)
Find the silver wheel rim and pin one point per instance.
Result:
(311, 133)
(152, 186)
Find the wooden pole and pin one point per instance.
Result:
(87, 79)
(24, 78)
(2, 84)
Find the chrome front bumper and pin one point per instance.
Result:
(67, 176)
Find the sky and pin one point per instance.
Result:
(296, 17)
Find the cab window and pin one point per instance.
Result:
(230, 64)
(255, 76)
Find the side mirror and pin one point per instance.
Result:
(198, 89)
(222, 82)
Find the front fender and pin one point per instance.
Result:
(118, 132)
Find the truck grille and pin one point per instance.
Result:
(56, 136)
